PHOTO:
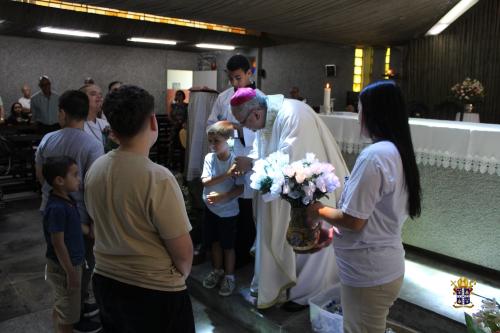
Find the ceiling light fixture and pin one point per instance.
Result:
(152, 41)
(451, 16)
(68, 32)
(216, 46)
(2, 21)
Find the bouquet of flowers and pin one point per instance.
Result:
(300, 182)
(468, 91)
(487, 320)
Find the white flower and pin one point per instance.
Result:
(256, 181)
(316, 168)
(300, 176)
(311, 158)
(277, 185)
(321, 184)
(308, 172)
(259, 167)
(299, 182)
(288, 171)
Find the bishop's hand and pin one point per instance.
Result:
(243, 165)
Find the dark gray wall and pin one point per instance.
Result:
(221, 59)
(469, 47)
(23, 60)
(303, 65)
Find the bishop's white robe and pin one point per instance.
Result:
(292, 127)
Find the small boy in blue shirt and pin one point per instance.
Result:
(63, 233)
(220, 193)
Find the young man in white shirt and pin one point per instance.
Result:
(95, 126)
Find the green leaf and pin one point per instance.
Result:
(472, 327)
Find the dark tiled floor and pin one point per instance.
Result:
(22, 260)
(25, 297)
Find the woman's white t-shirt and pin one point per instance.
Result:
(375, 191)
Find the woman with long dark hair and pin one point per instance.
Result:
(381, 193)
(17, 116)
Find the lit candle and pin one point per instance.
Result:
(326, 98)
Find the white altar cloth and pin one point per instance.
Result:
(472, 147)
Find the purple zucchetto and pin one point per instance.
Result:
(242, 95)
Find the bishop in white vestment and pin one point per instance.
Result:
(291, 127)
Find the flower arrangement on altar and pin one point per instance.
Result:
(487, 320)
(300, 183)
(469, 91)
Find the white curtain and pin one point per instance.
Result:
(200, 106)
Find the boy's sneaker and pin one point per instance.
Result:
(90, 310)
(87, 326)
(212, 279)
(227, 286)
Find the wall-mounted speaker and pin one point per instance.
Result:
(331, 70)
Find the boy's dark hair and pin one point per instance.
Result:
(113, 83)
(56, 167)
(75, 104)
(222, 128)
(127, 110)
(238, 61)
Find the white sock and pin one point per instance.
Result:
(230, 277)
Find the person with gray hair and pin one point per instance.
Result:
(293, 128)
(258, 102)
(44, 106)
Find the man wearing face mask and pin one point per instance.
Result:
(240, 75)
(44, 107)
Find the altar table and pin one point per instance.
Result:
(459, 166)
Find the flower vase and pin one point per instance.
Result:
(469, 108)
(301, 237)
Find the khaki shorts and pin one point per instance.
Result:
(365, 309)
(67, 301)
